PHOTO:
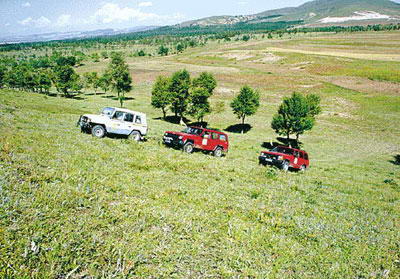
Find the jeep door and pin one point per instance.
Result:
(127, 125)
(205, 141)
(214, 141)
(116, 123)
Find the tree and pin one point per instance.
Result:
(179, 89)
(92, 80)
(207, 81)
(203, 88)
(296, 115)
(246, 38)
(199, 106)
(160, 95)
(121, 80)
(163, 51)
(65, 79)
(179, 48)
(105, 82)
(44, 81)
(246, 103)
(3, 74)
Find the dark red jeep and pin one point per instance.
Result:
(198, 138)
(285, 158)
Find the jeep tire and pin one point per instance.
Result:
(135, 135)
(303, 168)
(188, 147)
(98, 131)
(285, 166)
(217, 152)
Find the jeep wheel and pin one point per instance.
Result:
(135, 135)
(285, 166)
(218, 152)
(188, 147)
(303, 168)
(98, 131)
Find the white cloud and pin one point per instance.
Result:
(26, 5)
(243, 3)
(39, 22)
(145, 4)
(113, 13)
(63, 20)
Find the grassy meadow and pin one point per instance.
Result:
(72, 206)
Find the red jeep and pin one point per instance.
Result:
(285, 158)
(198, 138)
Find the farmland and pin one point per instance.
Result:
(79, 207)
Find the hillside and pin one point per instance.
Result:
(333, 12)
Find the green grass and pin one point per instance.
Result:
(74, 205)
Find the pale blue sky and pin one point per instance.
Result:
(20, 17)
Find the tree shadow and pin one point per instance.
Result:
(114, 98)
(76, 96)
(396, 160)
(94, 94)
(291, 142)
(202, 124)
(174, 119)
(239, 128)
(270, 145)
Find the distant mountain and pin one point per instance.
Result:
(72, 35)
(327, 12)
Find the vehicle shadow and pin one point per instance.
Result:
(396, 160)
(239, 128)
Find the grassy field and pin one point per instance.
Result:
(72, 206)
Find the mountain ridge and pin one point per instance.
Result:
(314, 12)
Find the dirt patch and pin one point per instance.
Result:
(268, 58)
(237, 54)
(365, 85)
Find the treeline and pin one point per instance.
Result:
(58, 71)
(337, 29)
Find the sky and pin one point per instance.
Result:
(23, 17)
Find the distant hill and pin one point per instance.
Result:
(326, 12)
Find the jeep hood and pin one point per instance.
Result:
(97, 118)
(275, 153)
(177, 133)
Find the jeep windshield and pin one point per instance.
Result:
(193, 131)
(108, 112)
(283, 150)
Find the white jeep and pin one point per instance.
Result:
(115, 121)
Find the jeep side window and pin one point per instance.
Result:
(301, 155)
(128, 117)
(206, 135)
(296, 154)
(306, 156)
(214, 136)
(138, 119)
(222, 137)
(119, 115)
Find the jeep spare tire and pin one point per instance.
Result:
(98, 131)
(218, 152)
(188, 147)
(135, 135)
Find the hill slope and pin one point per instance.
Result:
(318, 11)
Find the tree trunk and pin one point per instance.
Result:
(164, 113)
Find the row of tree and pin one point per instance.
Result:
(184, 96)
(40, 75)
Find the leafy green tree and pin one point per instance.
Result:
(296, 115)
(246, 103)
(207, 81)
(199, 106)
(160, 95)
(65, 79)
(44, 81)
(246, 38)
(66, 61)
(121, 80)
(163, 51)
(203, 88)
(141, 53)
(179, 48)
(3, 74)
(92, 80)
(179, 89)
(105, 82)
